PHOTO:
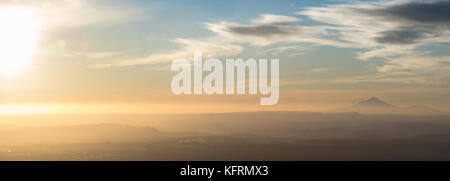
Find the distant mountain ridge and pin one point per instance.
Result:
(375, 105)
(372, 102)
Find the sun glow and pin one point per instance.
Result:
(19, 33)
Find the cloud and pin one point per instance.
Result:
(210, 47)
(94, 55)
(383, 79)
(386, 25)
(262, 30)
(425, 12)
(291, 50)
(415, 65)
(380, 78)
(412, 69)
(56, 14)
(384, 28)
(394, 30)
(275, 19)
(399, 37)
(388, 52)
(270, 29)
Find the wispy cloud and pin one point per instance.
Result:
(75, 13)
(274, 19)
(270, 29)
(382, 79)
(394, 30)
(386, 28)
(291, 50)
(95, 55)
(211, 47)
(417, 65)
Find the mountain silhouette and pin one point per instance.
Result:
(375, 105)
(372, 102)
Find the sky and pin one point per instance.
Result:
(114, 55)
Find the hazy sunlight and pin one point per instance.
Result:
(19, 30)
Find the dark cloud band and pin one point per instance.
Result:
(262, 30)
(399, 37)
(422, 12)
